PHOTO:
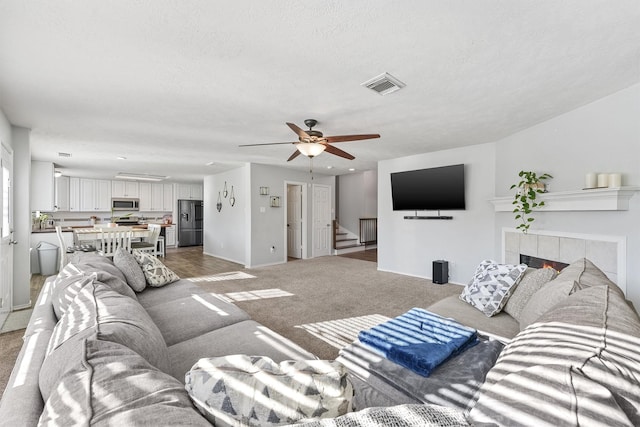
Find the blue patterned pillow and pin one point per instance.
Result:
(491, 286)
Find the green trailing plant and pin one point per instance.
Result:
(526, 198)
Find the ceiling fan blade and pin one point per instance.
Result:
(343, 138)
(338, 152)
(298, 131)
(268, 143)
(293, 156)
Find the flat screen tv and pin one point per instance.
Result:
(440, 188)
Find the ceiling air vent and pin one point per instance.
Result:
(384, 84)
(60, 154)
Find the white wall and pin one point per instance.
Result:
(410, 246)
(268, 227)
(357, 198)
(22, 216)
(603, 136)
(246, 232)
(225, 232)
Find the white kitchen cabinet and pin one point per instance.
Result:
(156, 197)
(74, 194)
(168, 201)
(170, 236)
(189, 192)
(145, 196)
(95, 195)
(125, 189)
(62, 194)
(42, 186)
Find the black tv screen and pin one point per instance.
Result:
(437, 189)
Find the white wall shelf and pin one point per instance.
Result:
(597, 199)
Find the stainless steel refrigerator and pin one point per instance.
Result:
(189, 222)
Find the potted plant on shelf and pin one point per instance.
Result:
(525, 199)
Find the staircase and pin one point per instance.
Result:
(344, 241)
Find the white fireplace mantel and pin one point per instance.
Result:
(597, 199)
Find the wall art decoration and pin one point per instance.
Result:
(219, 204)
(232, 197)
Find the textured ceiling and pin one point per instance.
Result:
(173, 85)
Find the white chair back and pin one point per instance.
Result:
(150, 243)
(114, 238)
(63, 248)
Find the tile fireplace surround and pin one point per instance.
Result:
(608, 253)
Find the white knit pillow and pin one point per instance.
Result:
(491, 285)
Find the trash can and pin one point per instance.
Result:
(48, 258)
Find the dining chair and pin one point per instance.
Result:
(150, 244)
(114, 238)
(64, 249)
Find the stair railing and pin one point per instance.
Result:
(368, 231)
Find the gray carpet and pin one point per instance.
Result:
(324, 289)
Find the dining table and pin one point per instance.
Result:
(92, 235)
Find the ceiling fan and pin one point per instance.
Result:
(312, 142)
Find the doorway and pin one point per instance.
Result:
(294, 221)
(322, 234)
(6, 233)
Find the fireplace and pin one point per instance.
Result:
(535, 262)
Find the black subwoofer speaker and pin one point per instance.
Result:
(440, 272)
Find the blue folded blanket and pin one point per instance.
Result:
(419, 340)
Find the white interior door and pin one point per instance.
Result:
(321, 220)
(6, 234)
(294, 221)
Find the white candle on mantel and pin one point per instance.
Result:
(603, 180)
(615, 180)
(590, 180)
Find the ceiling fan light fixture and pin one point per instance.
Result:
(310, 149)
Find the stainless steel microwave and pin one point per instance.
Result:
(125, 204)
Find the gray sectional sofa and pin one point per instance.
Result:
(95, 353)
(172, 327)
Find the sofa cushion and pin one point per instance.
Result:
(156, 273)
(247, 337)
(587, 345)
(155, 296)
(562, 397)
(396, 416)
(586, 274)
(501, 325)
(74, 276)
(65, 288)
(490, 287)
(532, 280)
(282, 393)
(189, 317)
(546, 297)
(125, 261)
(100, 311)
(108, 384)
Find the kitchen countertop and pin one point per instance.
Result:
(69, 229)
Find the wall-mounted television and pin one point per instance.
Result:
(436, 189)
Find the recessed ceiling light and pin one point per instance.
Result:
(121, 158)
(329, 167)
(351, 169)
(209, 164)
